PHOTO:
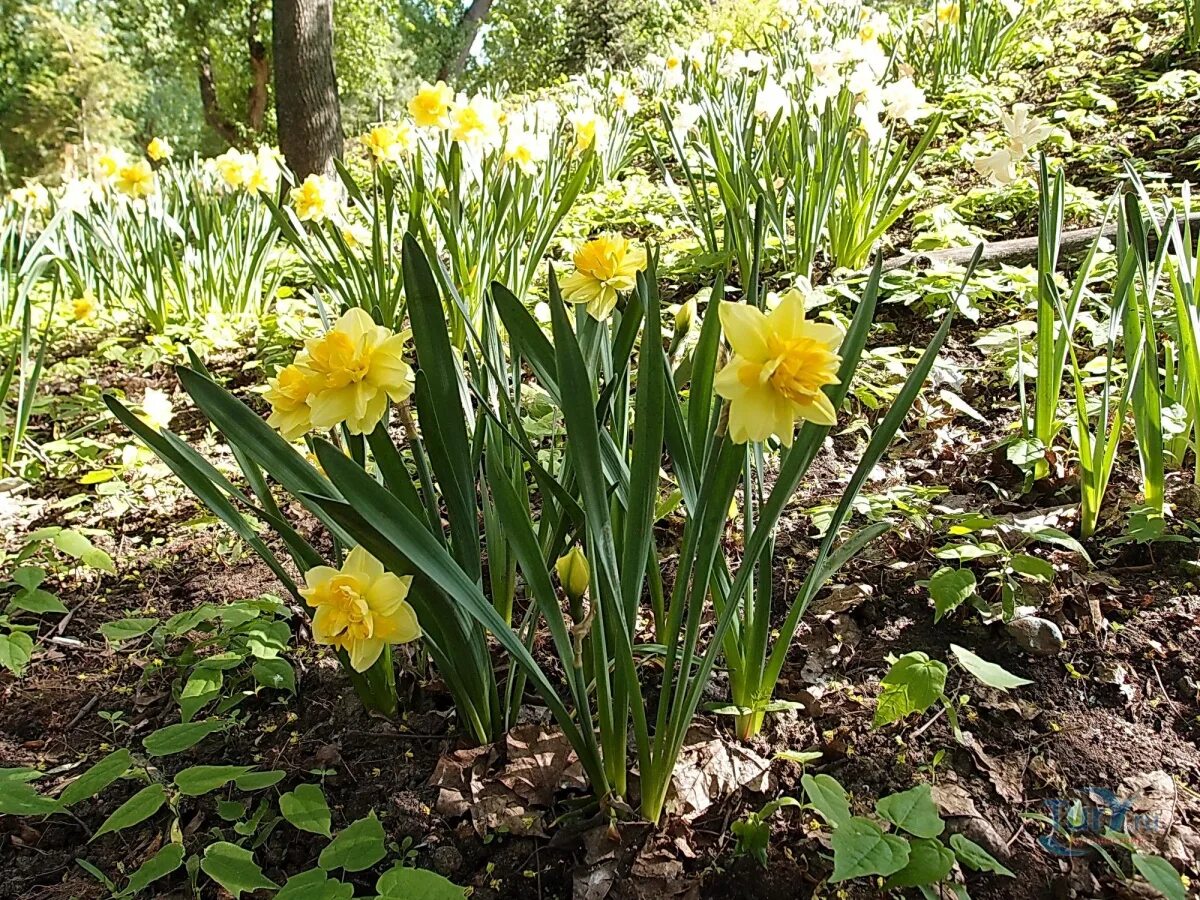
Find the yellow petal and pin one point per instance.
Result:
(406, 626)
(601, 306)
(738, 376)
(387, 592)
(820, 410)
(327, 623)
(318, 575)
(752, 414)
(364, 652)
(362, 564)
(746, 329)
(787, 319)
(329, 407)
(357, 324)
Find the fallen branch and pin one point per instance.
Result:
(1015, 252)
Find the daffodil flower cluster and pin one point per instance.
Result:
(344, 377)
(604, 267)
(133, 178)
(360, 608)
(254, 173)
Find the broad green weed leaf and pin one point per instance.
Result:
(17, 798)
(136, 809)
(988, 672)
(305, 807)
(861, 848)
(177, 738)
(403, 883)
(358, 846)
(914, 811)
(315, 884)
(827, 797)
(256, 781)
(97, 778)
(162, 863)
(275, 673)
(949, 588)
(234, 868)
(973, 856)
(38, 602)
(1161, 875)
(929, 861)
(126, 629)
(16, 649)
(912, 685)
(195, 781)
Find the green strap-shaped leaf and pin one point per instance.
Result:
(441, 404)
(261, 443)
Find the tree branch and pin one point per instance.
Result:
(1015, 252)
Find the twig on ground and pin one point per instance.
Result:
(1015, 252)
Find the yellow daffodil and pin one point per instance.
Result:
(262, 171)
(475, 122)
(84, 307)
(315, 199)
(626, 100)
(590, 129)
(948, 13)
(780, 364)
(673, 69)
(288, 394)
(234, 168)
(110, 162)
(353, 370)
(159, 149)
(603, 267)
(430, 106)
(388, 143)
(33, 197)
(525, 150)
(136, 179)
(360, 608)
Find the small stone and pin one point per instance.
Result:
(1036, 636)
(446, 860)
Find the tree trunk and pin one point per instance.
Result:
(306, 95)
(468, 27)
(260, 73)
(213, 114)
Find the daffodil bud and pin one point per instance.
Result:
(684, 316)
(574, 572)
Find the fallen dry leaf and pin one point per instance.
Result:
(537, 763)
(711, 768)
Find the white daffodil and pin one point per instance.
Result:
(1000, 166)
(903, 100)
(1023, 130)
(772, 100)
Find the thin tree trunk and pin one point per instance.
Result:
(260, 73)
(213, 114)
(468, 27)
(306, 95)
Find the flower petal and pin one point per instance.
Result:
(746, 329)
(364, 652)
